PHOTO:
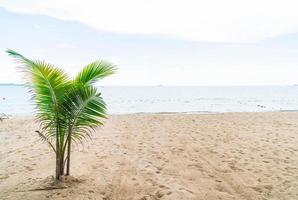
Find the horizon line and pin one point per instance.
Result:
(169, 85)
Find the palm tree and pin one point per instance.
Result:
(68, 109)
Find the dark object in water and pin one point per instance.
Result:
(261, 106)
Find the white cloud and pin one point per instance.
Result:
(197, 20)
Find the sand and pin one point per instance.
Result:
(147, 157)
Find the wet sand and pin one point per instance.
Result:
(159, 156)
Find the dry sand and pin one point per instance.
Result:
(222, 156)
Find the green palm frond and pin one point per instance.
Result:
(84, 107)
(47, 84)
(95, 71)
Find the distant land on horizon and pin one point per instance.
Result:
(11, 84)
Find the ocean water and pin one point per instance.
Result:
(15, 100)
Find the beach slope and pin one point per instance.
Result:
(229, 156)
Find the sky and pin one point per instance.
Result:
(157, 42)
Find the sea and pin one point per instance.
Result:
(15, 99)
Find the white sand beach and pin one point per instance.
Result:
(231, 156)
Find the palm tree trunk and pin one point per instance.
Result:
(68, 152)
(58, 163)
(61, 163)
(58, 153)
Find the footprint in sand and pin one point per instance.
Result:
(28, 168)
(136, 184)
(151, 182)
(163, 186)
(161, 193)
(159, 168)
(221, 188)
(195, 166)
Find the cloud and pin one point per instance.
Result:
(195, 20)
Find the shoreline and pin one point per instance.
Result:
(178, 113)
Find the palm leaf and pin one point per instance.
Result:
(95, 71)
(46, 139)
(85, 110)
(48, 85)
